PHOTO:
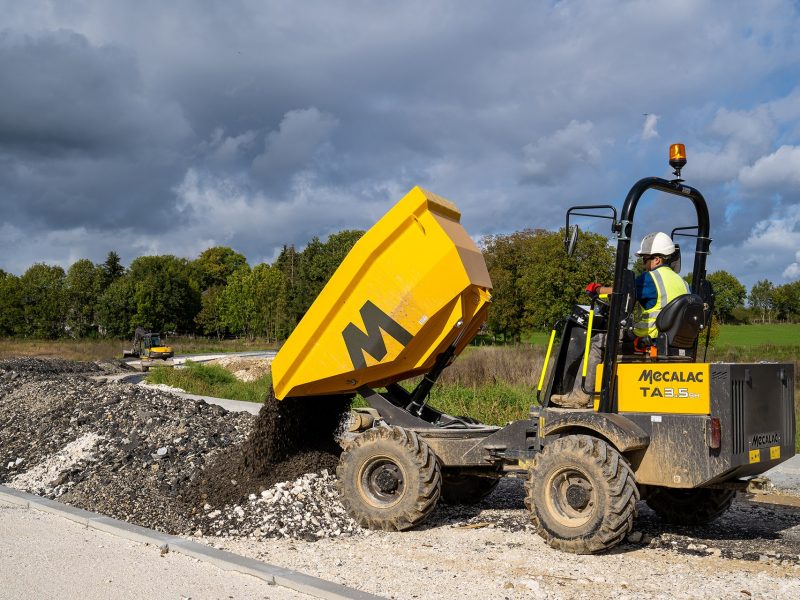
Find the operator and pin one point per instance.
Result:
(655, 288)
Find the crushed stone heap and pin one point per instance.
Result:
(155, 459)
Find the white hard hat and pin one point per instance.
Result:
(656, 243)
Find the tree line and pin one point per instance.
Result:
(216, 294)
(764, 303)
(220, 294)
(536, 283)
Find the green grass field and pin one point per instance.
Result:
(773, 334)
(776, 341)
(110, 349)
(754, 343)
(740, 336)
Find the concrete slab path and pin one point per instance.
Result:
(44, 555)
(51, 550)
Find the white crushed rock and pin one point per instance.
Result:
(307, 508)
(163, 387)
(40, 478)
(245, 368)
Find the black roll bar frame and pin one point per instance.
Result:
(624, 228)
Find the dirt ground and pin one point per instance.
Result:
(491, 551)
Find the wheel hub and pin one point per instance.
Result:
(577, 497)
(570, 496)
(382, 482)
(387, 479)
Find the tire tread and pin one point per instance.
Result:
(621, 499)
(428, 479)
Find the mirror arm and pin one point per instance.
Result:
(573, 211)
(570, 239)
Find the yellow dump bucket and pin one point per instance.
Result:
(414, 284)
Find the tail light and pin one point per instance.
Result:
(715, 434)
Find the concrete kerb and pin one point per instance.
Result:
(228, 561)
(12, 496)
(78, 515)
(131, 532)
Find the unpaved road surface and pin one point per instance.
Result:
(136, 454)
(490, 551)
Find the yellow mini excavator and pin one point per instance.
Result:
(147, 346)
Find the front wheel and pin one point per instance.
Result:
(389, 479)
(582, 494)
(689, 507)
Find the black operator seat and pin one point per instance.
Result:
(681, 321)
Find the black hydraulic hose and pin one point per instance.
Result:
(419, 395)
(420, 392)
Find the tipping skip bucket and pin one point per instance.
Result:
(413, 285)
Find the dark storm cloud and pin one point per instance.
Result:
(63, 96)
(81, 141)
(169, 127)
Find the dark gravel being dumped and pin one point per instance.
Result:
(162, 461)
(289, 438)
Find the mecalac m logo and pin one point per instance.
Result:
(371, 342)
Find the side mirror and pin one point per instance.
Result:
(571, 239)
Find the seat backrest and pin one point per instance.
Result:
(681, 320)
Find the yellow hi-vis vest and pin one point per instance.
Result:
(669, 286)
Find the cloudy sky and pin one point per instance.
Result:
(155, 127)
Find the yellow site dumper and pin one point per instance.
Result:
(666, 427)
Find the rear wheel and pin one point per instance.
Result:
(389, 479)
(467, 488)
(582, 494)
(689, 507)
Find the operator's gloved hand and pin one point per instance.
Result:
(593, 288)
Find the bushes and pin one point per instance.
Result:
(494, 384)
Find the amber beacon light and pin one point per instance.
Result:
(677, 158)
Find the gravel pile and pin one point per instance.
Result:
(153, 458)
(307, 508)
(51, 366)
